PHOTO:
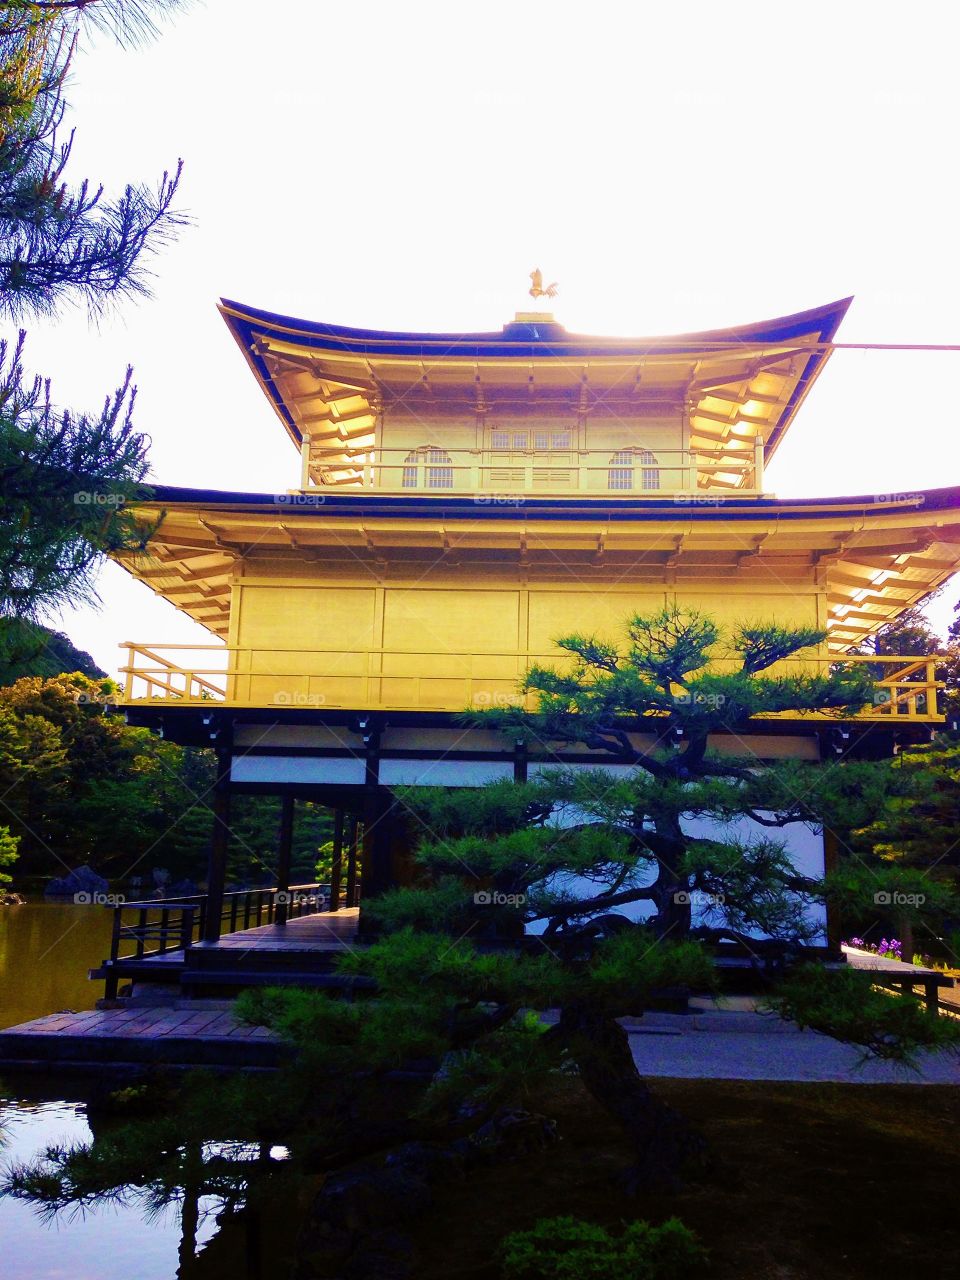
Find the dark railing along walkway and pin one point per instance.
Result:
(151, 929)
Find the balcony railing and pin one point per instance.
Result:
(381, 679)
(615, 471)
(155, 928)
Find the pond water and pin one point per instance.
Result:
(45, 952)
(46, 949)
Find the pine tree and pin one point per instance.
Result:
(458, 965)
(57, 242)
(66, 481)
(65, 478)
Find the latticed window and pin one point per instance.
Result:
(432, 463)
(650, 475)
(621, 470)
(539, 441)
(620, 475)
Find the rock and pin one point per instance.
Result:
(11, 900)
(355, 1214)
(182, 889)
(360, 1198)
(427, 1161)
(82, 880)
(513, 1133)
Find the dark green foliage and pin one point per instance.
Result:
(29, 649)
(568, 1248)
(864, 890)
(58, 242)
(67, 481)
(910, 634)
(918, 825)
(335, 1037)
(845, 1005)
(8, 853)
(905, 877)
(445, 905)
(255, 834)
(79, 785)
(662, 670)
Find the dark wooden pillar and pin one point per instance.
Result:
(520, 761)
(217, 866)
(831, 860)
(377, 871)
(284, 854)
(336, 863)
(352, 825)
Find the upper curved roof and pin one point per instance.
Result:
(525, 338)
(326, 381)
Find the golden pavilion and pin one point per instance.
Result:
(460, 500)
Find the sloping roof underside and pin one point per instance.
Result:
(875, 558)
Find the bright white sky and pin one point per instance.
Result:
(675, 166)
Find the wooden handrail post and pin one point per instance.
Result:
(933, 707)
(111, 981)
(115, 933)
(758, 464)
(186, 928)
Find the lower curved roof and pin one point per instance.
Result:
(878, 554)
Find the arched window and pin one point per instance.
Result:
(622, 465)
(428, 467)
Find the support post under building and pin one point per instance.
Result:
(336, 862)
(284, 857)
(219, 844)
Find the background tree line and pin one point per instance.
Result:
(80, 786)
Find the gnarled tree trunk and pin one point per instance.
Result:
(663, 1140)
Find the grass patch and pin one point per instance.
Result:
(811, 1182)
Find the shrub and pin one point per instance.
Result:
(569, 1249)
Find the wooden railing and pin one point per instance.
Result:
(151, 929)
(479, 472)
(388, 679)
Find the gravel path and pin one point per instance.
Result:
(737, 1043)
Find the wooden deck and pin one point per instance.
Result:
(190, 1029)
(182, 1034)
(938, 988)
(325, 931)
(301, 952)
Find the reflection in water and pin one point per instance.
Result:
(46, 949)
(108, 1242)
(187, 1233)
(226, 1215)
